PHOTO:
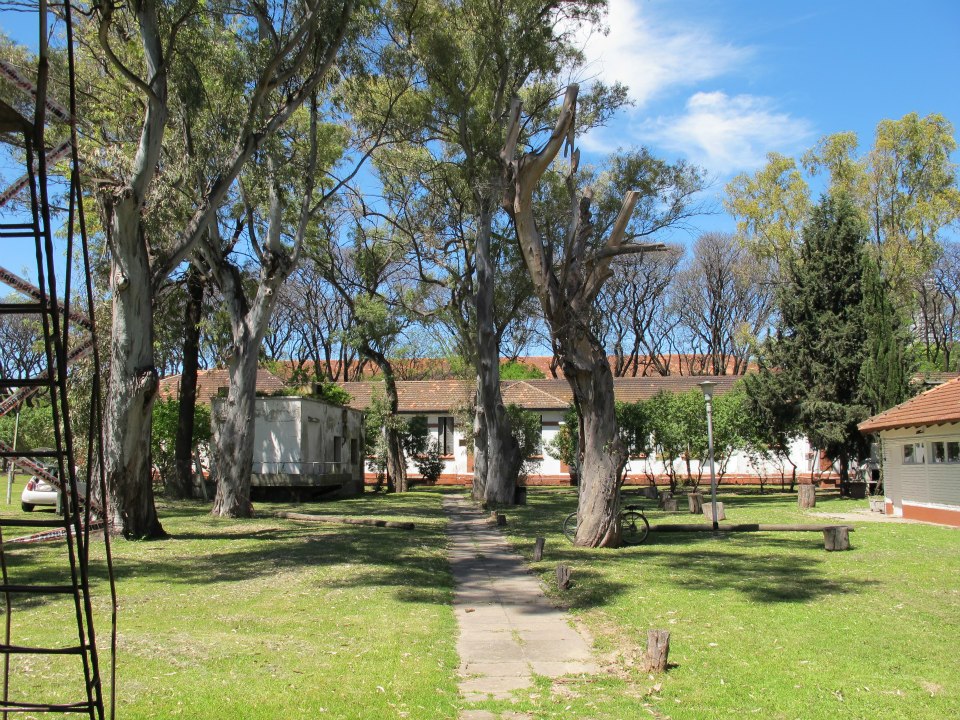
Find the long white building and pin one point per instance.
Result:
(443, 401)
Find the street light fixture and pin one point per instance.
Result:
(707, 387)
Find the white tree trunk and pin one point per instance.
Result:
(233, 438)
(133, 381)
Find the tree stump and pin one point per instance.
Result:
(520, 495)
(664, 496)
(658, 649)
(500, 518)
(836, 538)
(670, 505)
(650, 492)
(708, 511)
(695, 501)
(538, 549)
(563, 577)
(807, 496)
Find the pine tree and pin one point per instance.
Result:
(813, 366)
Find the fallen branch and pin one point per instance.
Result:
(399, 525)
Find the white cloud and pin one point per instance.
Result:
(651, 57)
(727, 134)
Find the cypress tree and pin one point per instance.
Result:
(813, 366)
(885, 374)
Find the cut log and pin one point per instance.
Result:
(807, 496)
(836, 537)
(658, 650)
(538, 549)
(650, 492)
(663, 497)
(563, 577)
(695, 501)
(708, 511)
(670, 504)
(373, 522)
(501, 519)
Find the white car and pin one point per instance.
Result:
(40, 492)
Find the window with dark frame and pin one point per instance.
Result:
(953, 452)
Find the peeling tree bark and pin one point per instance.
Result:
(133, 375)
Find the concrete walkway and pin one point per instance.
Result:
(508, 629)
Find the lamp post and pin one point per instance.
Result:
(707, 387)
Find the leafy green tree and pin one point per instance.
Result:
(771, 403)
(166, 419)
(820, 347)
(517, 370)
(527, 430)
(260, 64)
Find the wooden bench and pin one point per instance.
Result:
(835, 537)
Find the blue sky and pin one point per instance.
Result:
(723, 82)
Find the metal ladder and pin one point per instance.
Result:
(32, 226)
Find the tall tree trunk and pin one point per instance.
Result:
(503, 453)
(133, 378)
(396, 462)
(133, 374)
(479, 450)
(234, 431)
(183, 451)
(586, 368)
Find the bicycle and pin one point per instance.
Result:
(634, 526)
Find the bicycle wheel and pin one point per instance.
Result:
(570, 527)
(634, 527)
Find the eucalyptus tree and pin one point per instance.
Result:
(371, 277)
(254, 65)
(568, 247)
(469, 59)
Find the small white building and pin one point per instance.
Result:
(920, 442)
(305, 444)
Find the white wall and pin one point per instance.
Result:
(925, 484)
(550, 467)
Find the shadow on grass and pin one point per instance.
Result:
(201, 550)
(781, 578)
(765, 567)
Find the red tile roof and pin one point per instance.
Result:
(937, 406)
(209, 383)
(414, 395)
(439, 368)
(441, 396)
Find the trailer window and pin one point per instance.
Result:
(913, 454)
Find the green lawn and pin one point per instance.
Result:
(268, 618)
(766, 624)
(264, 618)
